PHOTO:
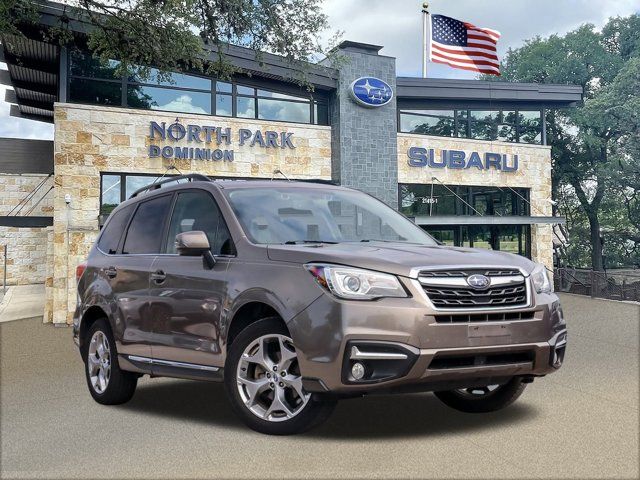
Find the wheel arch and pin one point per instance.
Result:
(90, 316)
(250, 312)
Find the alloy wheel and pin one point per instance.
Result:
(269, 380)
(99, 362)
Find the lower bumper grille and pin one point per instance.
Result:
(490, 359)
(485, 317)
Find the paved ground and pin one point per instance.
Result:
(22, 301)
(581, 422)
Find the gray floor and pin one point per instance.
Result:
(581, 422)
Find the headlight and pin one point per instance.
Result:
(356, 283)
(541, 279)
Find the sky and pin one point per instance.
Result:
(397, 25)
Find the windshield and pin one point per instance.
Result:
(296, 215)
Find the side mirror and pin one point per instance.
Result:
(194, 244)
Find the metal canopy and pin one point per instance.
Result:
(486, 220)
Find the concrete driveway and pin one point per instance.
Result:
(581, 422)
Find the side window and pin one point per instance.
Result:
(145, 231)
(112, 232)
(197, 210)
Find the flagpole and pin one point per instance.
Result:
(425, 38)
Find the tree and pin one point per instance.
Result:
(174, 35)
(592, 145)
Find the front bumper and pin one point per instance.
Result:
(428, 354)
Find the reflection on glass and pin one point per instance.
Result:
(110, 193)
(245, 107)
(156, 98)
(95, 92)
(283, 96)
(223, 105)
(321, 114)
(223, 87)
(282, 110)
(84, 64)
(134, 182)
(152, 75)
(428, 125)
(507, 133)
(530, 128)
(242, 90)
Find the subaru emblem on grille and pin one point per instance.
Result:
(478, 281)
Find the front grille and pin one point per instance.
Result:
(485, 317)
(491, 359)
(448, 289)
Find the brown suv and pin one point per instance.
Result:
(296, 294)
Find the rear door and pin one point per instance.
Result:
(129, 272)
(187, 298)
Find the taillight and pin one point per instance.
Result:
(80, 270)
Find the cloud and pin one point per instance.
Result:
(397, 25)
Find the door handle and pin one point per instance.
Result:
(110, 272)
(158, 276)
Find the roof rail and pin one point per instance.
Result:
(155, 185)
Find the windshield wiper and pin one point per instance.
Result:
(300, 242)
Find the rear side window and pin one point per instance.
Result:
(110, 237)
(197, 210)
(145, 231)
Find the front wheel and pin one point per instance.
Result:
(264, 384)
(484, 399)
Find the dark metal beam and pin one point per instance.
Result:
(25, 222)
(21, 155)
(5, 79)
(14, 111)
(31, 64)
(10, 96)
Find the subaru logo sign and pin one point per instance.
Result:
(371, 92)
(478, 281)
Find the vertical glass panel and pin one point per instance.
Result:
(480, 236)
(428, 122)
(134, 182)
(224, 87)
(507, 133)
(321, 114)
(223, 105)
(509, 238)
(245, 107)
(269, 109)
(462, 118)
(95, 92)
(111, 189)
(153, 75)
(155, 98)
(445, 236)
(242, 90)
(530, 127)
(85, 65)
(282, 96)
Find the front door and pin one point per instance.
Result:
(187, 297)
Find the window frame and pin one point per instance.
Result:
(125, 83)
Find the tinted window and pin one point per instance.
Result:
(112, 232)
(157, 98)
(145, 232)
(95, 91)
(197, 210)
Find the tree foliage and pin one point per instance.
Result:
(174, 35)
(595, 147)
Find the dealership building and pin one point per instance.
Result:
(466, 160)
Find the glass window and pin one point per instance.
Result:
(223, 105)
(242, 90)
(288, 214)
(145, 231)
(156, 98)
(321, 113)
(281, 96)
(530, 127)
(134, 182)
(245, 107)
(170, 79)
(112, 232)
(111, 189)
(197, 210)
(83, 64)
(283, 110)
(224, 87)
(428, 122)
(95, 92)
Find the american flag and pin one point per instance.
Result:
(463, 45)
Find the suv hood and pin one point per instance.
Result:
(396, 258)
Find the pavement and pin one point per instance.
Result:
(581, 422)
(22, 301)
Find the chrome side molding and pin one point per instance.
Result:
(169, 363)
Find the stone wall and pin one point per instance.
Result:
(92, 139)
(26, 247)
(534, 173)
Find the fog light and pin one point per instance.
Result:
(357, 371)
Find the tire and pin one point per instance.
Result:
(483, 399)
(107, 384)
(260, 395)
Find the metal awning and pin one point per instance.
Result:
(487, 220)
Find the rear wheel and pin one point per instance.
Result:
(107, 383)
(484, 399)
(263, 381)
